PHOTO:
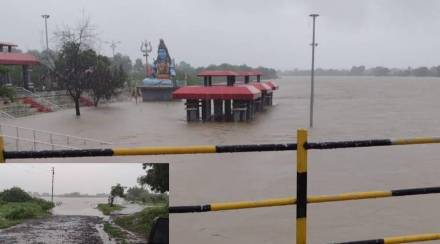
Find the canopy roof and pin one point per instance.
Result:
(272, 85)
(262, 87)
(7, 44)
(18, 59)
(242, 92)
(229, 73)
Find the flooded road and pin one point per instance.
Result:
(346, 108)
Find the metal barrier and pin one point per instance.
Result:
(302, 199)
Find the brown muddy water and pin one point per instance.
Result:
(346, 108)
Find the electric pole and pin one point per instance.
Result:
(53, 175)
(113, 45)
(312, 88)
(45, 17)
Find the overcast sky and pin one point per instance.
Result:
(276, 33)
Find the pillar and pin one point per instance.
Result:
(228, 114)
(25, 76)
(218, 110)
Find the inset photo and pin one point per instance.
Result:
(74, 203)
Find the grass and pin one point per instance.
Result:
(12, 213)
(107, 210)
(142, 222)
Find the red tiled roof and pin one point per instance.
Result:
(18, 59)
(217, 73)
(244, 92)
(262, 87)
(272, 85)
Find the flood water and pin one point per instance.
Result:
(346, 108)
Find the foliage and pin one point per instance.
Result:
(114, 231)
(116, 191)
(123, 61)
(15, 194)
(157, 177)
(139, 194)
(7, 92)
(107, 209)
(16, 205)
(142, 222)
(75, 60)
(106, 79)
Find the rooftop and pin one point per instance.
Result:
(18, 59)
(242, 92)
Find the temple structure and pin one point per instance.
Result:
(224, 98)
(161, 78)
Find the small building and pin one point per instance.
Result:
(8, 57)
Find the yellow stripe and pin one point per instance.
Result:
(2, 150)
(301, 231)
(420, 140)
(348, 196)
(255, 204)
(412, 238)
(301, 152)
(163, 150)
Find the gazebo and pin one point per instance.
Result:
(7, 57)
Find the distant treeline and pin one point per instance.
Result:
(374, 71)
(72, 194)
(185, 69)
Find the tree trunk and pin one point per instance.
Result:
(77, 106)
(112, 199)
(96, 101)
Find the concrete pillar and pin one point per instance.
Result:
(210, 80)
(205, 80)
(25, 76)
(218, 110)
(230, 80)
(228, 114)
(258, 78)
(246, 79)
(206, 110)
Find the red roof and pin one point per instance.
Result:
(249, 73)
(18, 59)
(244, 92)
(262, 87)
(217, 73)
(272, 85)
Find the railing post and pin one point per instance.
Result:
(51, 141)
(301, 187)
(16, 140)
(2, 150)
(35, 143)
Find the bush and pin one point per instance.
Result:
(15, 194)
(142, 222)
(22, 212)
(45, 205)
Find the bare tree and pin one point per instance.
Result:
(75, 59)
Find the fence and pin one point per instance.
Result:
(302, 199)
(22, 138)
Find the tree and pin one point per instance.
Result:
(75, 60)
(157, 177)
(116, 191)
(105, 79)
(122, 60)
(357, 70)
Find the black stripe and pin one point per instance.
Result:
(374, 241)
(58, 153)
(415, 191)
(347, 144)
(301, 195)
(189, 209)
(255, 148)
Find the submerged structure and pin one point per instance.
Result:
(161, 78)
(223, 98)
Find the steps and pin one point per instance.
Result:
(34, 104)
(85, 101)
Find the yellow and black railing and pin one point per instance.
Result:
(302, 199)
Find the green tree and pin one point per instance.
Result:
(157, 177)
(116, 191)
(106, 79)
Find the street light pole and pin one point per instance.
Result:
(312, 91)
(45, 17)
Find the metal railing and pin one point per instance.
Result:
(17, 136)
(302, 146)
